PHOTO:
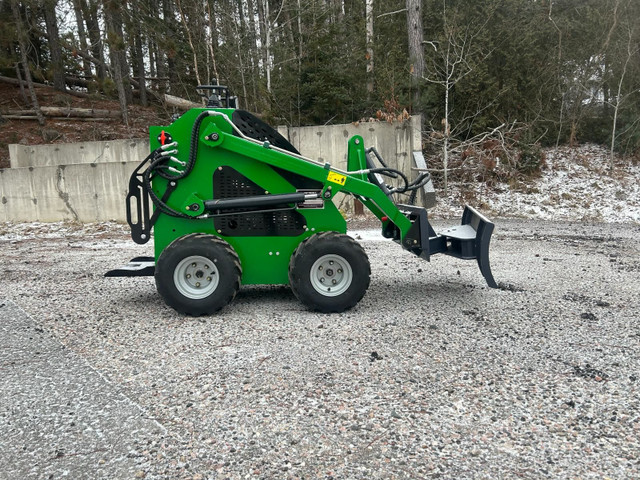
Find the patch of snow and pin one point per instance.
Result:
(577, 184)
(17, 231)
(368, 235)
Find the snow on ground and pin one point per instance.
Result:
(16, 231)
(576, 184)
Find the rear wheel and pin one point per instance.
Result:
(329, 272)
(198, 274)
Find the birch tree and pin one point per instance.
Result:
(369, 55)
(632, 51)
(455, 55)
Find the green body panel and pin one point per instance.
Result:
(264, 259)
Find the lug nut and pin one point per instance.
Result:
(334, 281)
(339, 270)
(194, 265)
(188, 275)
(322, 280)
(208, 279)
(197, 284)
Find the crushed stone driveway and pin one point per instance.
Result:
(433, 374)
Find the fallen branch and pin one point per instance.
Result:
(180, 102)
(15, 81)
(74, 119)
(68, 112)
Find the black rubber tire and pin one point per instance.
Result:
(207, 248)
(327, 245)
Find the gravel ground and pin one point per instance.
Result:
(432, 375)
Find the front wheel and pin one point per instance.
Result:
(329, 272)
(198, 274)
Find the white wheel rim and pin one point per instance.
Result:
(331, 275)
(196, 277)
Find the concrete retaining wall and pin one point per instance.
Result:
(88, 182)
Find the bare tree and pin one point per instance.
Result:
(631, 51)
(455, 57)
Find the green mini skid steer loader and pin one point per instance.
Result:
(234, 203)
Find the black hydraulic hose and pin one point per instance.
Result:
(193, 150)
(378, 156)
(420, 181)
(393, 173)
(157, 201)
(158, 167)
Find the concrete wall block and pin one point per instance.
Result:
(31, 194)
(329, 143)
(97, 192)
(131, 150)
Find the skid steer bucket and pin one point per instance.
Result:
(468, 241)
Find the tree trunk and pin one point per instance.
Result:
(267, 43)
(82, 36)
(170, 68)
(573, 136)
(238, 25)
(190, 40)
(253, 52)
(140, 62)
(369, 56)
(113, 22)
(263, 26)
(447, 134)
(213, 43)
(616, 108)
(90, 13)
(300, 42)
(25, 61)
(57, 64)
(23, 95)
(152, 58)
(416, 51)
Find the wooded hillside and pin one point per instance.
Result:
(524, 71)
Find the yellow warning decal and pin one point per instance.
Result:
(336, 178)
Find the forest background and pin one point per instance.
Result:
(523, 74)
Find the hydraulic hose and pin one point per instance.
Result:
(158, 167)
